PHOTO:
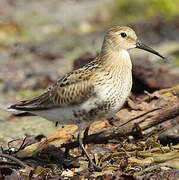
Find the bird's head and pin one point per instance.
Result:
(124, 38)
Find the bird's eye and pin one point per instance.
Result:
(123, 34)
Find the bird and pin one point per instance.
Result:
(97, 91)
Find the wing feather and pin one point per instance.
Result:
(74, 88)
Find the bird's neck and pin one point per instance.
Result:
(115, 59)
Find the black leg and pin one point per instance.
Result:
(85, 137)
(56, 124)
(86, 133)
(92, 165)
(66, 153)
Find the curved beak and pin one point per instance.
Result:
(140, 45)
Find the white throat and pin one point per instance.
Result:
(121, 57)
(123, 54)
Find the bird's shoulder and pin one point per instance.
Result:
(81, 76)
(74, 87)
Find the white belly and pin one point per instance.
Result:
(61, 115)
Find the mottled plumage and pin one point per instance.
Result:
(96, 91)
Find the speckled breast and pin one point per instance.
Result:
(116, 92)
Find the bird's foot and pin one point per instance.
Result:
(94, 167)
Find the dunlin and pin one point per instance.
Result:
(94, 92)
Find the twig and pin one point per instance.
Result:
(151, 168)
(137, 117)
(9, 164)
(165, 115)
(22, 164)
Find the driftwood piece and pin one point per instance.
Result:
(159, 113)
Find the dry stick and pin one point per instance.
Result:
(137, 117)
(8, 164)
(162, 129)
(151, 168)
(22, 146)
(167, 114)
(164, 115)
(22, 164)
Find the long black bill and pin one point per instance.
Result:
(149, 49)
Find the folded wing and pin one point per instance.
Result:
(74, 88)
